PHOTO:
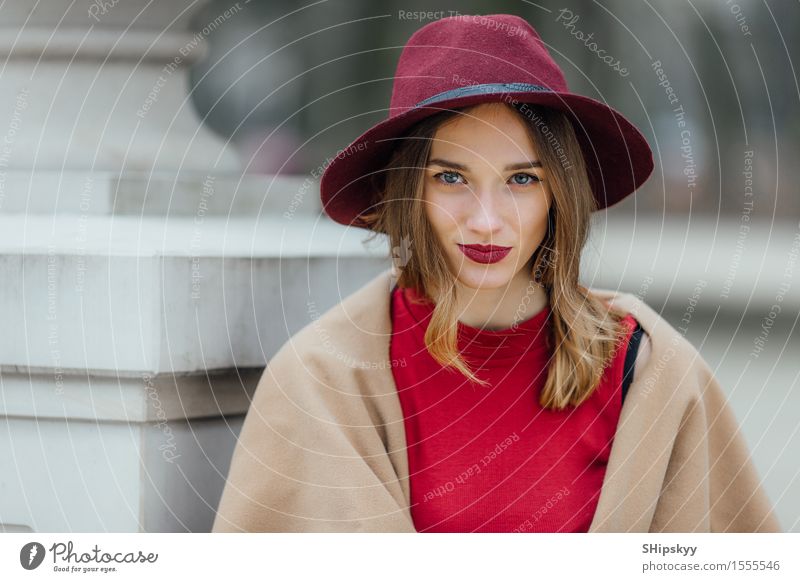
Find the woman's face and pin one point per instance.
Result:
(484, 185)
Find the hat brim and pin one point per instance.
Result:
(618, 157)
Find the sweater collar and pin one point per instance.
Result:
(481, 345)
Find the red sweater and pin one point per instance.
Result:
(491, 459)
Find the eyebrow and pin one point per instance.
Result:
(509, 168)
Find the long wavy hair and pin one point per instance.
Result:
(585, 332)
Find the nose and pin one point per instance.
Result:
(484, 213)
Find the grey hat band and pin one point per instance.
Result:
(482, 90)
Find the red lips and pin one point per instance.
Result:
(484, 253)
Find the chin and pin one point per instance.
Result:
(484, 277)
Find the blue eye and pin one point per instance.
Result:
(448, 178)
(528, 179)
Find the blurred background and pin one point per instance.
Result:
(161, 233)
(322, 74)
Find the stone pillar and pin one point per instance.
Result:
(146, 279)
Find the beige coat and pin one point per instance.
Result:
(322, 447)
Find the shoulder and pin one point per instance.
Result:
(669, 373)
(660, 341)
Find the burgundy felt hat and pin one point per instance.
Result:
(466, 60)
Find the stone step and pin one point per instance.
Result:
(127, 295)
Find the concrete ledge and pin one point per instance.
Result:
(138, 295)
(157, 193)
(735, 269)
(139, 399)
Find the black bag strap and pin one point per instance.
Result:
(630, 359)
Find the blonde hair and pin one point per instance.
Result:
(585, 332)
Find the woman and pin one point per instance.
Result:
(477, 386)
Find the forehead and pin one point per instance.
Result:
(491, 131)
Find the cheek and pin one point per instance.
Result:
(534, 220)
(441, 211)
